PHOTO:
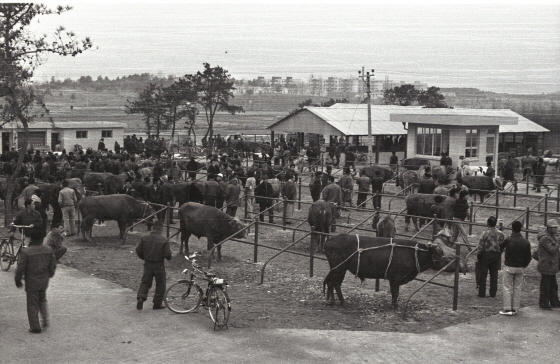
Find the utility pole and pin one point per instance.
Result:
(366, 78)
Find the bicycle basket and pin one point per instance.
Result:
(218, 281)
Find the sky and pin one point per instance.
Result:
(501, 46)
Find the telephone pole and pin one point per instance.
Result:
(366, 78)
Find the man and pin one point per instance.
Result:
(211, 190)
(346, 183)
(363, 183)
(427, 184)
(508, 173)
(490, 172)
(377, 187)
(539, 176)
(45, 170)
(292, 173)
(393, 161)
(233, 191)
(333, 194)
(29, 217)
(28, 191)
(220, 198)
(155, 196)
(101, 145)
(67, 201)
(440, 189)
(167, 193)
(264, 194)
(54, 240)
(548, 266)
(175, 172)
(36, 265)
(350, 159)
(489, 257)
(316, 186)
(289, 195)
(153, 249)
(517, 258)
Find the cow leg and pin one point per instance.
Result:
(415, 222)
(394, 293)
(185, 240)
(407, 222)
(122, 228)
(87, 227)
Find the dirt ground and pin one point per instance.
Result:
(289, 297)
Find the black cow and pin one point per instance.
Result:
(399, 264)
(386, 173)
(481, 185)
(320, 217)
(122, 208)
(201, 220)
(418, 204)
(414, 164)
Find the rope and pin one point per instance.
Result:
(390, 258)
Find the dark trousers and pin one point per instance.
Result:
(57, 216)
(362, 197)
(37, 303)
(376, 200)
(219, 203)
(548, 291)
(263, 205)
(210, 201)
(153, 270)
(490, 263)
(231, 211)
(58, 253)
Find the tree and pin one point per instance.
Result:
(404, 95)
(214, 88)
(431, 98)
(153, 105)
(21, 52)
(180, 97)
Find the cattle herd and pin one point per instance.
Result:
(126, 187)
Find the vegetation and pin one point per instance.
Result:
(407, 95)
(21, 53)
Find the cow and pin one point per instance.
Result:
(555, 162)
(481, 185)
(418, 204)
(320, 217)
(201, 220)
(414, 164)
(385, 228)
(92, 179)
(122, 208)
(386, 173)
(448, 248)
(442, 172)
(398, 260)
(78, 173)
(408, 180)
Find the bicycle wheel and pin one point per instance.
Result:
(183, 297)
(219, 306)
(6, 254)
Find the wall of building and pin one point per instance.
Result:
(306, 122)
(68, 138)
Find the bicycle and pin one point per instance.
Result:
(186, 295)
(7, 256)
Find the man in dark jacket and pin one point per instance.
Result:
(153, 249)
(548, 266)
(377, 187)
(289, 194)
(211, 190)
(155, 196)
(192, 167)
(517, 258)
(36, 265)
(233, 191)
(316, 186)
(363, 189)
(29, 217)
(489, 256)
(264, 194)
(427, 184)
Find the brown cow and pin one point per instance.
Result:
(418, 204)
(320, 217)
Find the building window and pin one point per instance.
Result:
(471, 145)
(431, 141)
(81, 134)
(106, 133)
(490, 142)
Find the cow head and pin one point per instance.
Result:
(499, 184)
(237, 225)
(148, 210)
(435, 250)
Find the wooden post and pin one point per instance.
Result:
(246, 203)
(456, 281)
(434, 226)
(545, 209)
(256, 243)
(514, 198)
(497, 204)
(558, 198)
(312, 251)
(284, 212)
(471, 213)
(527, 185)
(169, 217)
(527, 224)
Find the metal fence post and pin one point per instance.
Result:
(256, 243)
(558, 198)
(299, 195)
(545, 209)
(456, 280)
(514, 198)
(527, 185)
(471, 214)
(497, 204)
(312, 251)
(527, 224)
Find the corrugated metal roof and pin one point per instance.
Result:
(352, 119)
(68, 125)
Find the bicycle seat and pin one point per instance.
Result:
(210, 275)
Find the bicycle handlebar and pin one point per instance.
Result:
(22, 226)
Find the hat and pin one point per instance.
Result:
(552, 223)
(220, 175)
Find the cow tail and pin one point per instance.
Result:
(326, 281)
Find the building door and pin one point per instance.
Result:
(5, 142)
(54, 140)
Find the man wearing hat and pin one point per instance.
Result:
(316, 186)
(264, 194)
(548, 266)
(222, 186)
